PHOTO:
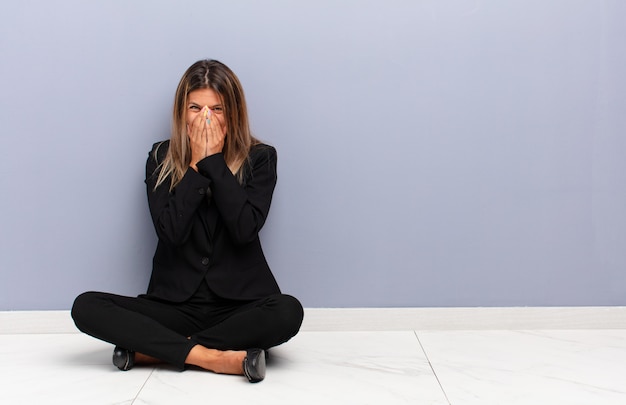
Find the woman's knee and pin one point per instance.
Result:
(291, 312)
(82, 309)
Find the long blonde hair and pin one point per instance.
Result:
(213, 75)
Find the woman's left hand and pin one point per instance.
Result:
(215, 135)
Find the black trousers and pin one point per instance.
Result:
(168, 331)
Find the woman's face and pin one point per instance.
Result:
(197, 99)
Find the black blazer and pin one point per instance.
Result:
(208, 227)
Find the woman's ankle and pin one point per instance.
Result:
(218, 361)
(141, 358)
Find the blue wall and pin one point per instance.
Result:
(431, 153)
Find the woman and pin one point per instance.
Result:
(212, 300)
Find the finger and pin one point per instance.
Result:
(197, 126)
(201, 118)
(193, 129)
(216, 128)
(205, 136)
(207, 115)
(210, 120)
(216, 136)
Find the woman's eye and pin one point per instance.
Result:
(217, 109)
(194, 107)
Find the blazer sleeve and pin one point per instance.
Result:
(242, 207)
(173, 212)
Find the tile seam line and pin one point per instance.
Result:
(432, 368)
(142, 386)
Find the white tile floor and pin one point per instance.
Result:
(584, 367)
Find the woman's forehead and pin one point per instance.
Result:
(204, 97)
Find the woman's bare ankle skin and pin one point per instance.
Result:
(218, 361)
(141, 358)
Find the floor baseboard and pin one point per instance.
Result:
(382, 319)
(508, 318)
